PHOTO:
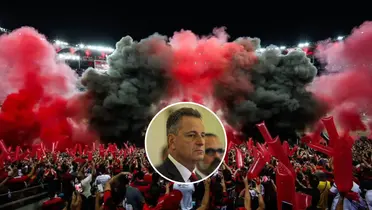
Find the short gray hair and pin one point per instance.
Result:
(175, 117)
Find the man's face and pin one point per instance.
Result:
(213, 150)
(188, 144)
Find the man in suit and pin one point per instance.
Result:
(185, 138)
(213, 154)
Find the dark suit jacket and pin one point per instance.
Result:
(169, 170)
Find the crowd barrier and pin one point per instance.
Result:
(19, 198)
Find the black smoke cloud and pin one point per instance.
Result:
(123, 96)
(273, 90)
(278, 95)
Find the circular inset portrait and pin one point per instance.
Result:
(185, 143)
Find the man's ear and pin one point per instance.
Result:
(171, 141)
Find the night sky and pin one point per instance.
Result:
(75, 24)
(106, 28)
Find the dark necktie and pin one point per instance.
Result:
(193, 177)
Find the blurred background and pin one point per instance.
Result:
(156, 139)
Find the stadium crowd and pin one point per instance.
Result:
(112, 178)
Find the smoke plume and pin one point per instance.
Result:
(42, 101)
(278, 96)
(123, 96)
(181, 68)
(36, 88)
(347, 88)
(200, 61)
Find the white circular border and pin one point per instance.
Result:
(186, 103)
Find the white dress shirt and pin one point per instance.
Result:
(185, 173)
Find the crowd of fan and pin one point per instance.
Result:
(127, 181)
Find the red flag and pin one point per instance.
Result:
(86, 148)
(3, 147)
(90, 156)
(343, 163)
(285, 183)
(264, 132)
(17, 153)
(303, 201)
(277, 149)
(321, 148)
(1, 161)
(229, 146)
(257, 166)
(285, 147)
(293, 151)
(238, 158)
(331, 130)
(265, 153)
(80, 149)
(75, 149)
(53, 147)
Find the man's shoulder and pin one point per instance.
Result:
(162, 168)
(87, 179)
(169, 170)
(103, 176)
(132, 189)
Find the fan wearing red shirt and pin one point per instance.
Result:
(6, 175)
(247, 197)
(117, 167)
(148, 176)
(172, 199)
(139, 182)
(54, 202)
(219, 198)
(114, 193)
(22, 179)
(239, 184)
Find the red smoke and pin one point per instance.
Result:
(199, 62)
(39, 88)
(352, 86)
